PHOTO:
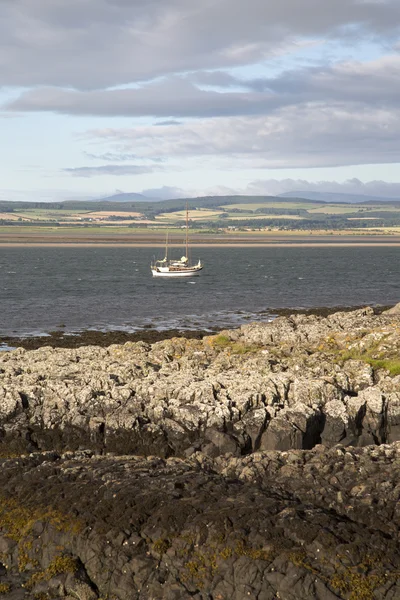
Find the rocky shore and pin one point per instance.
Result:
(260, 463)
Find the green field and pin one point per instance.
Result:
(194, 215)
(253, 217)
(332, 209)
(254, 206)
(209, 214)
(42, 214)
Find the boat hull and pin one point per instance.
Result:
(182, 273)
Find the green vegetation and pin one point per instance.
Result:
(223, 342)
(354, 583)
(18, 520)
(389, 364)
(5, 588)
(58, 566)
(214, 213)
(161, 545)
(206, 561)
(357, 586)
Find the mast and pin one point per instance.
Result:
(187, 231)
(166, 247)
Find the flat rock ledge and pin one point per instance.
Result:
(259, 463)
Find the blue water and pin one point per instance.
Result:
(42, 289)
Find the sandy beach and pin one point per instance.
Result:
(357, 243)
(155, 240)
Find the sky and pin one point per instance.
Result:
(174, 98)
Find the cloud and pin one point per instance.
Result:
(168, 122)
(165, 192)
(311, 135)
(181, 63)
(89, 44)
(45, 195)
(173, 97)
(119, 157)
(108, 170)
(370, 84)
(275, 187)
(111, 156)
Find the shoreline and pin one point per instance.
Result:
(260, 461)
(65, 339)
(199, 240)
(213, 244)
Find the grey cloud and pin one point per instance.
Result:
(119, 157)
(311, 135)
(168, 122)
(351, 186)
(165, 192)
(375, 83)
(99, 43)
(111, 156)
(108, 170)
(169, 98)
(275, 187)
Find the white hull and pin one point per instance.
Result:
(182, 273)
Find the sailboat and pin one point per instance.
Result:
(176, 267)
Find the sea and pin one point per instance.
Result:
(72, 289)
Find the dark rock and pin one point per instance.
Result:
(298, 524)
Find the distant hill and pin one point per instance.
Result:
(337, 197)
(127, 197)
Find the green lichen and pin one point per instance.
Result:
(206, 561)
(223, 342)
(161, 545)
(58, 566)
(355, 585)
(5, 588)
(17, 520)
(300, 559)
(24, 559)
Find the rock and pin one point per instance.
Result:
(292, 383)
(281, 435)
(296, 524)
(261, 463)
(395, 310)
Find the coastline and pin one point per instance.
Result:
(199, 240)
(378, 244)
(102, 339)
(268, 456)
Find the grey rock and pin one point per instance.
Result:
(292, 383)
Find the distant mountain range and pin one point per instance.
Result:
(315, 196)
(127, 197)
(337, 197)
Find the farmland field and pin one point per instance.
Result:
(194, 215)
(252, 207)
(253, 217)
